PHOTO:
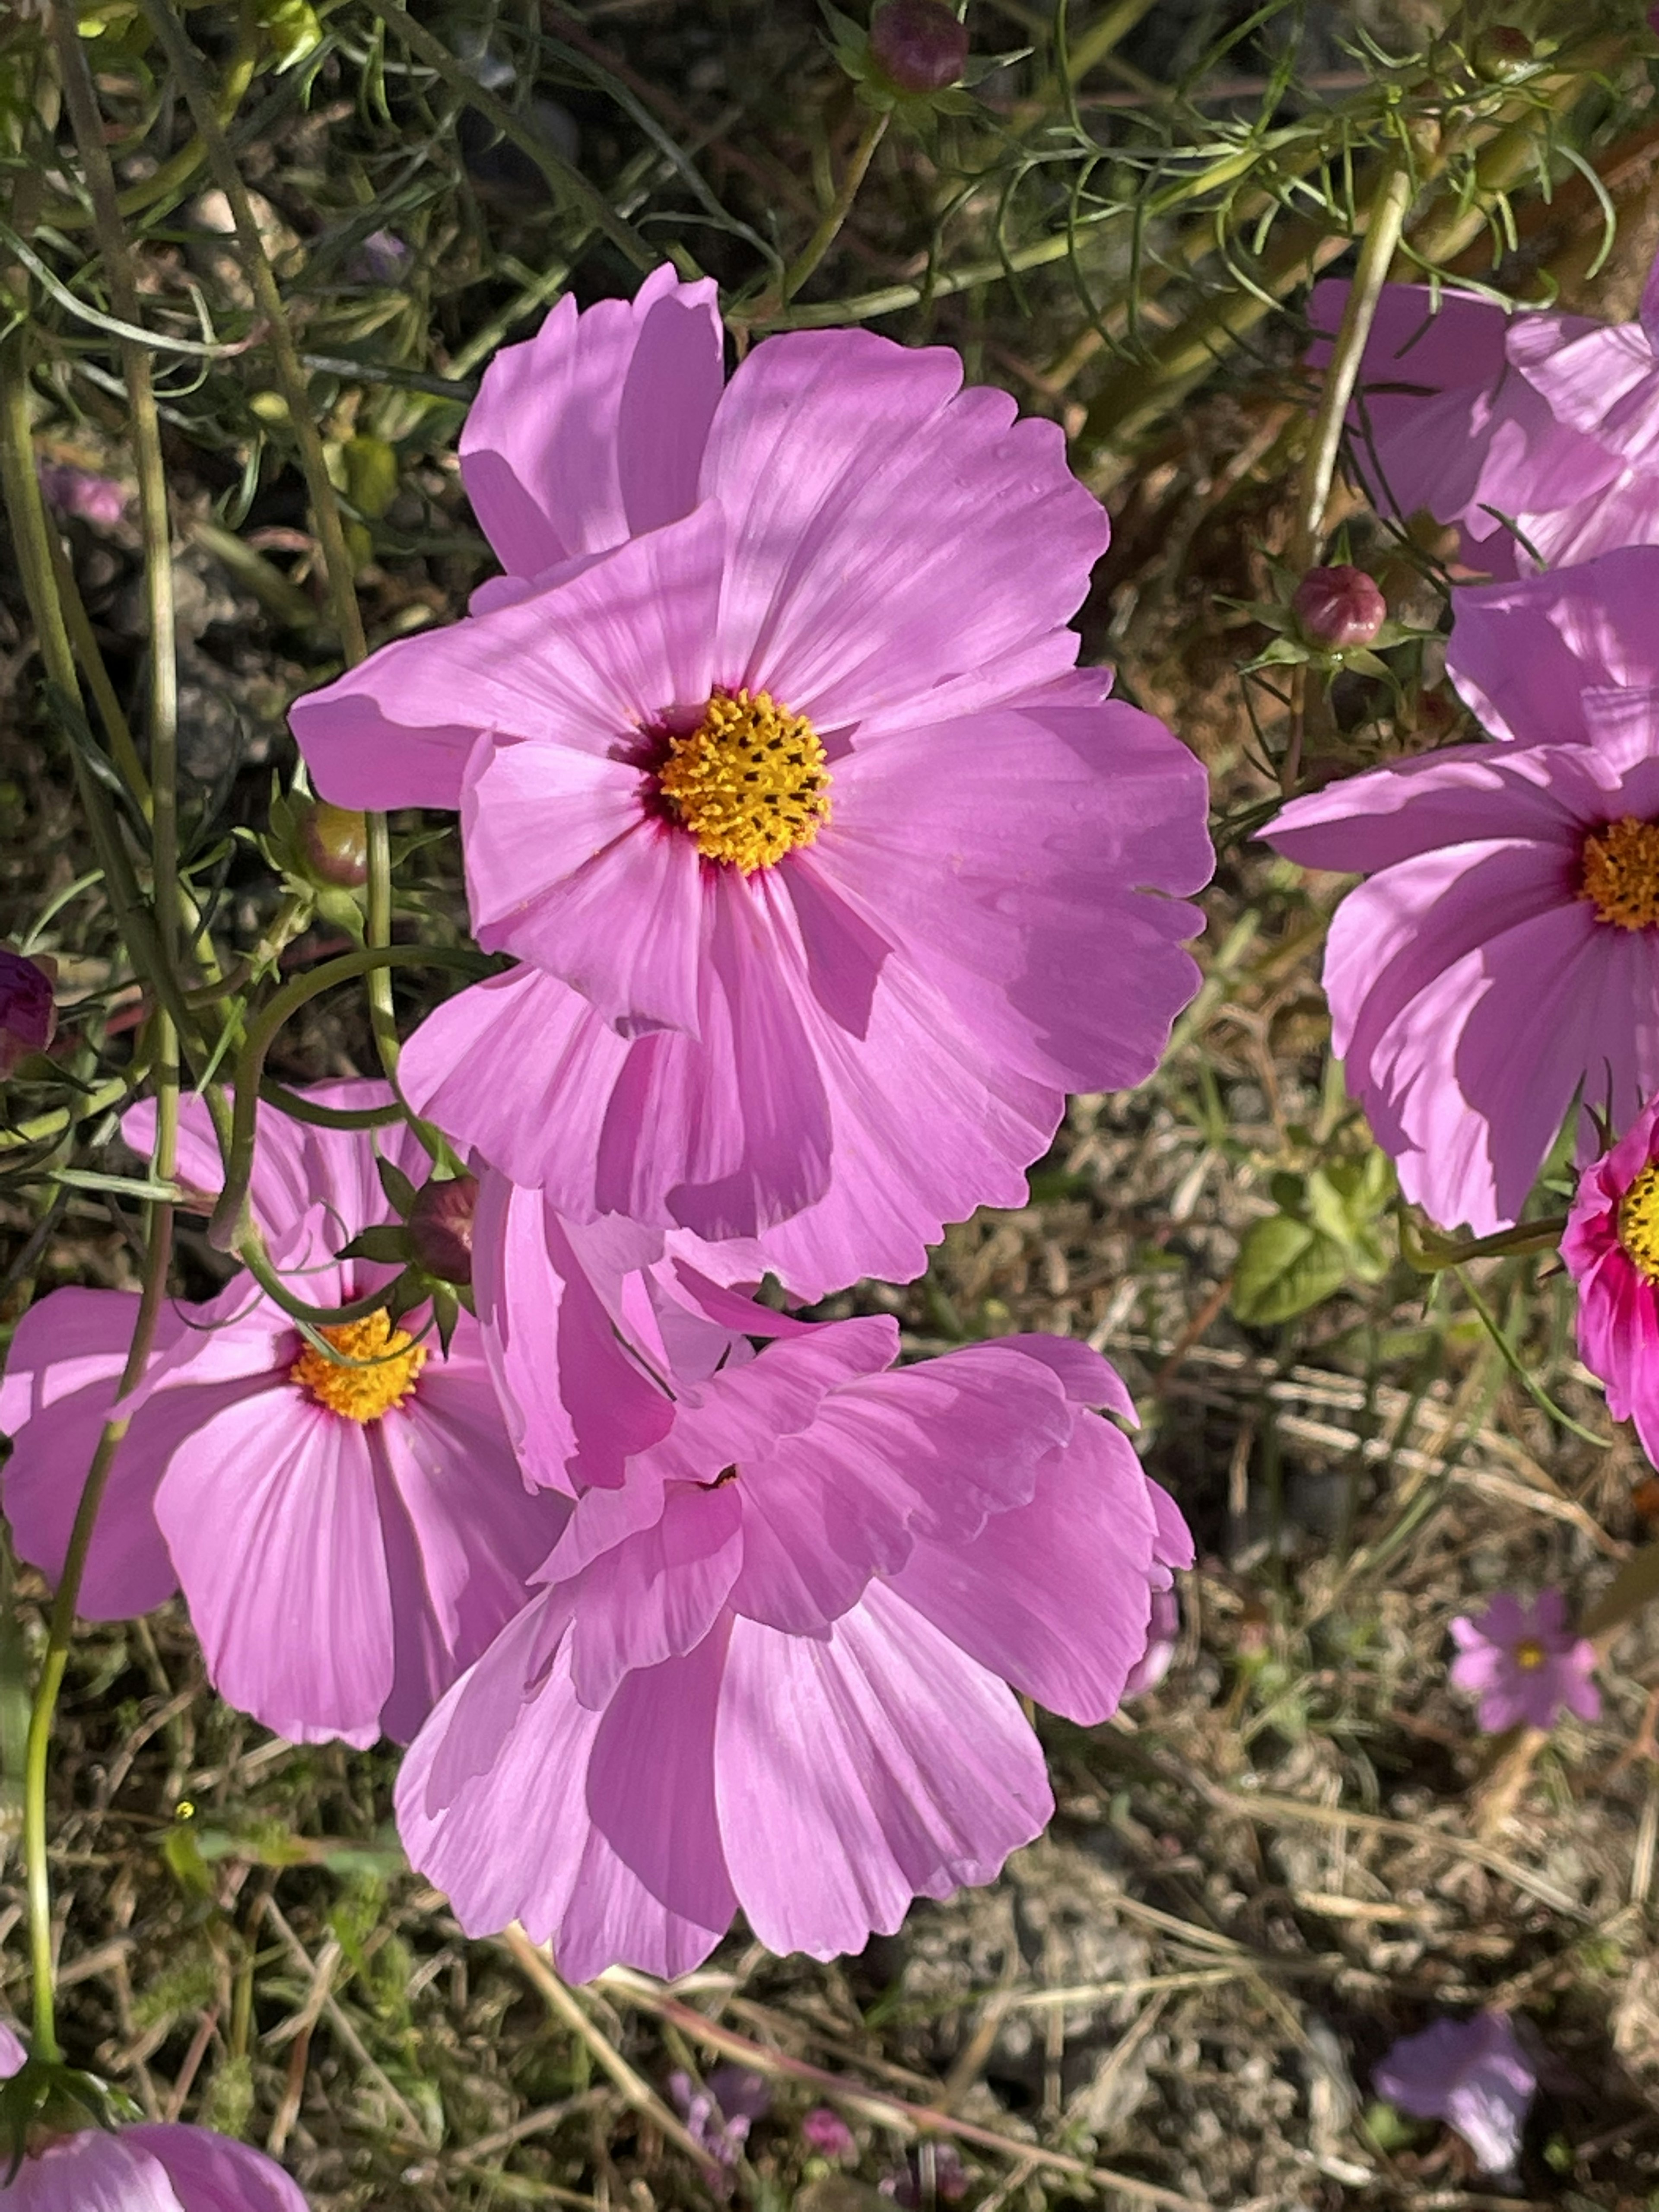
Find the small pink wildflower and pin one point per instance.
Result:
(1612, 1250)
(1525, 1662)
(82, 492)
(1503, 954)
(829, 873)
(151, 2167)
(28, 1017)
(780, 1637)
(827, 2134)
(1474, 2074)
(347, 1538)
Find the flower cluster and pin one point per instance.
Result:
(823, 873)
(1493, 981)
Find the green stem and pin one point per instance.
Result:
(1388, 211)
(44, 1127)
(60, 1632)
(87, 125)
(228, 1228)
(382, 1016)
(254, 1257)
(1432, 1256)
(829, 230)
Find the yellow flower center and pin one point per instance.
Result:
(1639, 1222)
(749, 782)
(361, 1393)
(1530, 1656)
(1620, 873)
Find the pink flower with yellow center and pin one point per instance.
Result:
(346, 1518)
(1612, 1250)
(1525, 1662)
(829, 873)
(1502, 957)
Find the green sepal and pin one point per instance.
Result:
(400, 1192)
(386, 1244)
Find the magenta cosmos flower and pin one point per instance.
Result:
(148, 2168)
(1502, 956)
(827, 872)
(1525, 1662)
(1474, 2074)
(28, 1016)
(347, 1537)
(1612, 1250)
(769, 1669)
(1445, 420)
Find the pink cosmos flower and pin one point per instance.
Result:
(1525, 1662)
(148, 2168)
(827, 872)
(767, 1668)
(1474, 2074)
(1503, 954)
(1444, 419)
(347, 1538)
(28, 1018)
(1612, 1250)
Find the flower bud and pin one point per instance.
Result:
(1163, 1634)
(1338, 607)
(334, 840)
(28, 1017)
(1501, 54)
(918, 45)
(827, 2133)
(441, 1227)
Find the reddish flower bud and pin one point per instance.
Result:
(919, 44)
(335, 842)
(1338, 607)
(28, 1017)
(441, 1227)
(827, 2133)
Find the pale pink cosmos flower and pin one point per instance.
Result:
(770, 1667)
(1612, 1250)
(828, 872)
(1163, 1634)
(1502, 956)
(1474, 2074)
(151, 2167)
(1525, 1662)
(347, 1538)
(1444, 420)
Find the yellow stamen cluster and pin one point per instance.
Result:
(361, 1393)
(1620, 873)
(748, 783)
(1639, 1222)
(1528, 1655)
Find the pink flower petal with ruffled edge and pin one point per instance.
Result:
(62, 1373)
(93, 2172)
(594, 430)
(881, 1758)
(211, 2173)
(1521, 654)
(272, 1522)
